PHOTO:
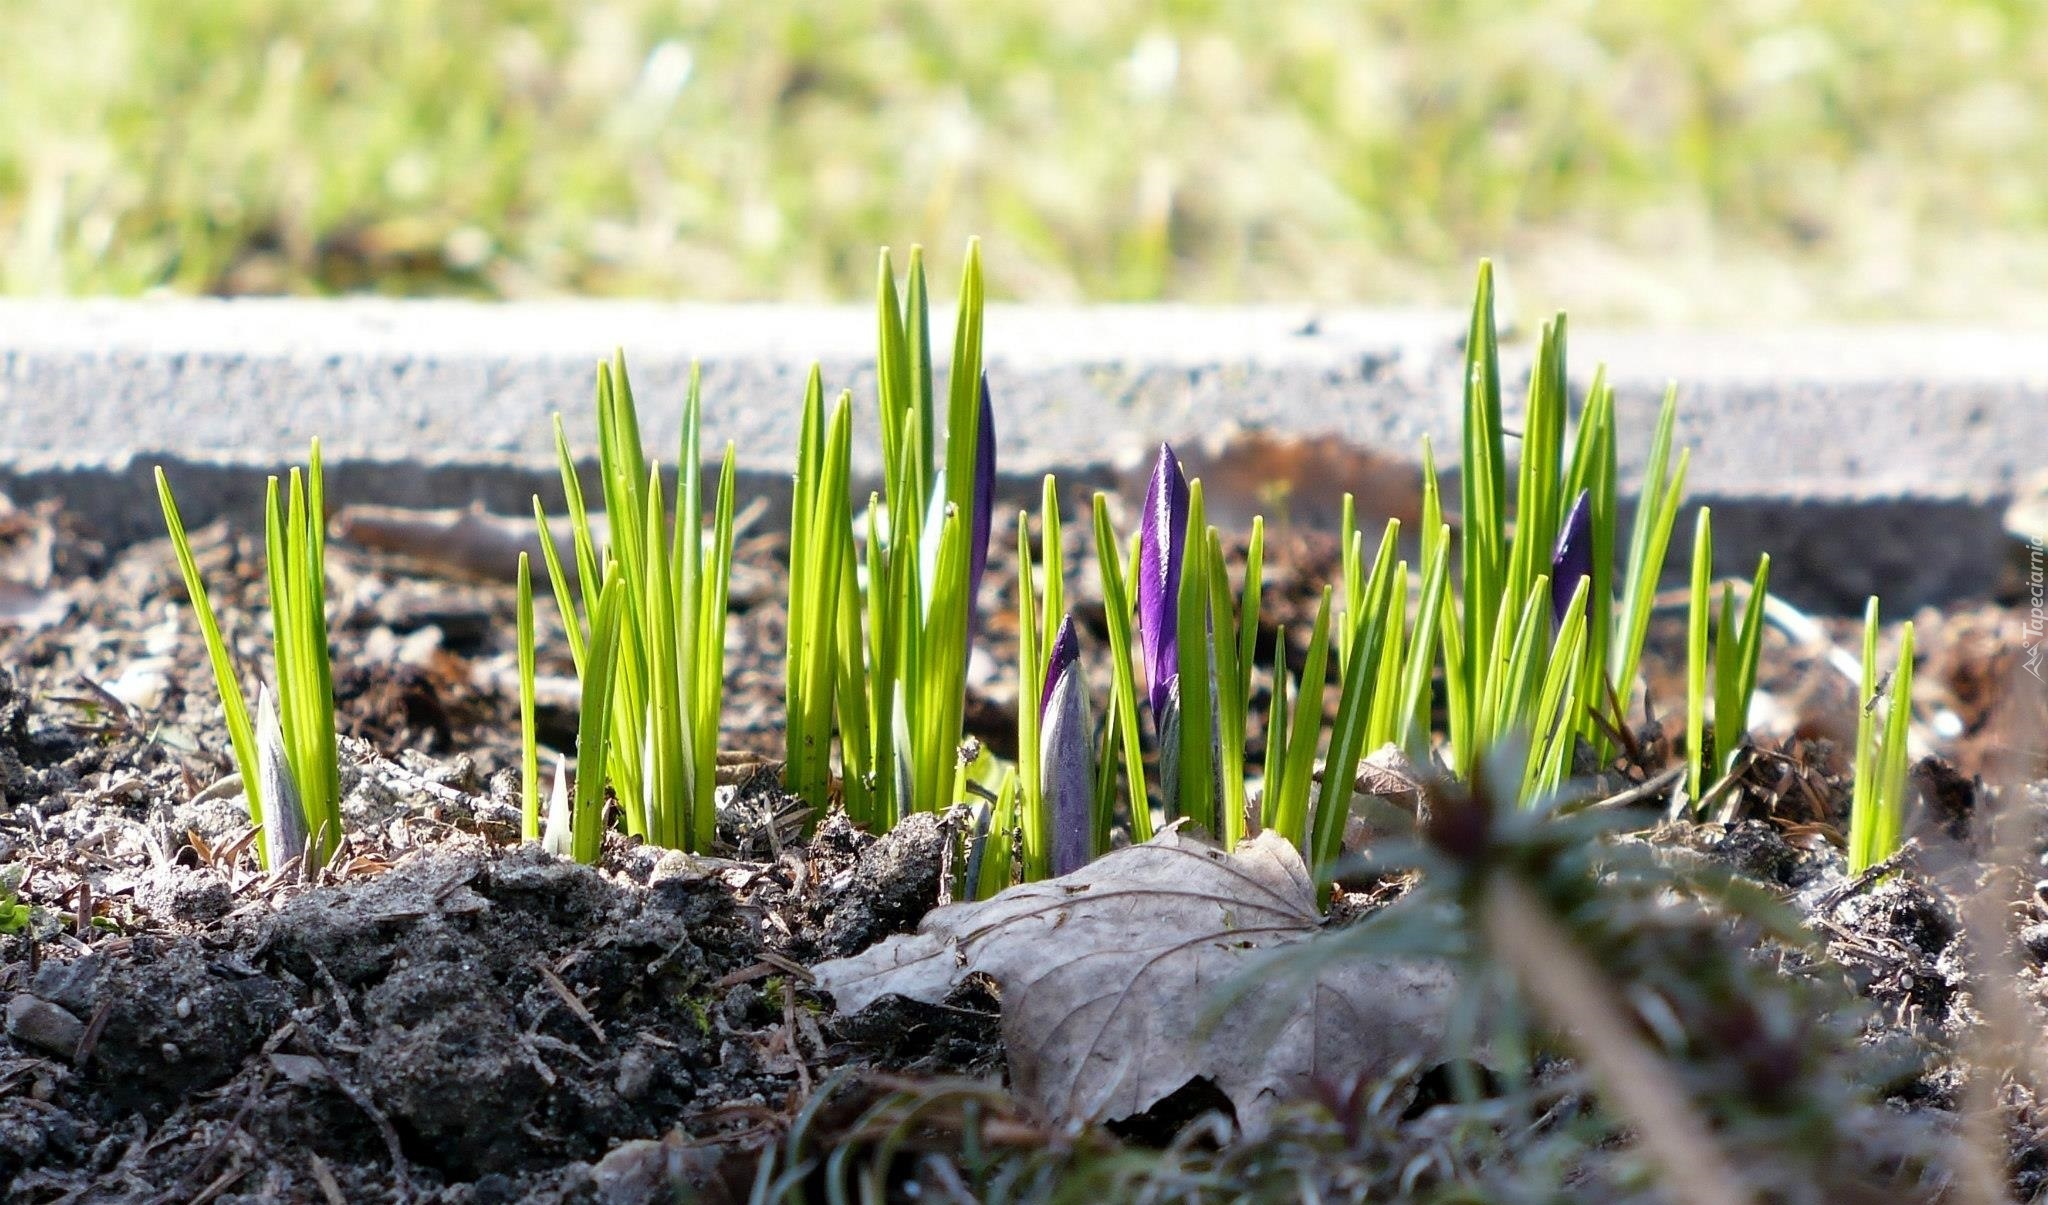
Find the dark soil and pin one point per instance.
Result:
(446, 1015)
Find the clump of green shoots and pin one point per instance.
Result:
(880, 625)
(1878, 799)
(1517, 656)
(1531, 637)
(1538, 642)
(648, 640)
(287, 756)
(1733, 648)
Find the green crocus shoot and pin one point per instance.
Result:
(1696, 650)
(301, 750)
(1122, 721)
(1729, 646)
(894, 621)
(594, 729)
(670, 661)
(1738, 649)
(1878, 799)
(820, 514)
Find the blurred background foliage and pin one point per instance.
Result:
(1661, 160)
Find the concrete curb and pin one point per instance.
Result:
(1874, 458)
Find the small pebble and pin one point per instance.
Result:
(36, 1022)
(2035, 939)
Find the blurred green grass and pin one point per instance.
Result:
(1753, 160)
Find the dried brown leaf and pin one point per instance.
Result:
(1110, 979)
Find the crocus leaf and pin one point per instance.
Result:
(1160, 552)
(1108, 975)
(1574, 556)
(1067, 752)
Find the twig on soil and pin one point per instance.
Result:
(771, 963)
(90, 1040)
(1835, 895)
(400, 1169)
(1642, 792)
(569, 998)
(335, 992)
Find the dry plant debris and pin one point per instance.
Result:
(1109, 977)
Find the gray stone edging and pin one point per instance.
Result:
(1855, 454)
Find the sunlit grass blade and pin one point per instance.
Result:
(820, 512)
(295, 545)
(1287, 798)
(1865, 794)
(1737, 645)
(1890, 829)
(1359, 675)
(583, 543)
(1649, 540)
(964, 385)
(558, 583)
(1413, 705)
(529, 743)
(857, 749)
(1748, 640)
(1273, 767)
(997, 868)
(1250, 602)
(594, 719)
(712, 612)
(1518, 674)
(1877, 806)
(1228, 684)
(1484, 482)
(1538, 506)
(1696, 650)
(1117, 614)
(939, 692)
(1553, 722)
(1195, 784)
(1031, 671)
(1386, 720)
(896, 404)
(1594, 473)
(663, 741)
(234, 704)
(295, 569)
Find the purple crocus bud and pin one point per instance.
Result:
(1066, 752)
(1573, 559)
(984, 507)
(1160, 537)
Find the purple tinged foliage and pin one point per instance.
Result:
(1161, 535)
(984, 507)
(1067, 752)
(1573, 559)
